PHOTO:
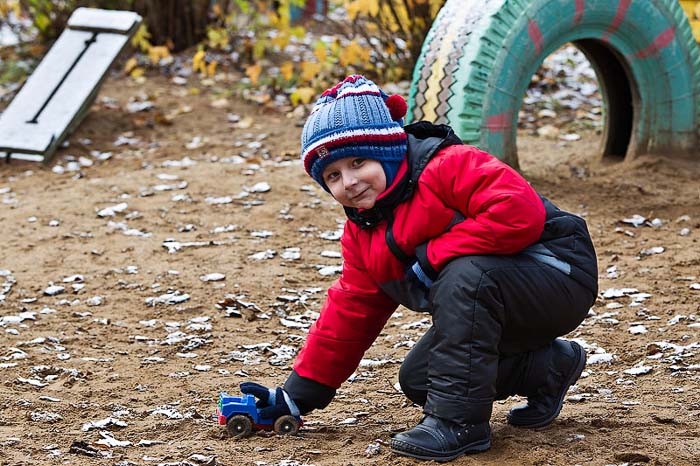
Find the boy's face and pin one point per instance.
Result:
(355, 181)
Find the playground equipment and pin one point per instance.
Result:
(479, 57)
(58, 94)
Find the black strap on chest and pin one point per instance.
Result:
(391, 242)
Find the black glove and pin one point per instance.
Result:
(272, 402)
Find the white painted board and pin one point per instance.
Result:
(16, 131)
(95, 19)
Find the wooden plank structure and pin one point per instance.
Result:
(59, 93)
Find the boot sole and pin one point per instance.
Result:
(580, 364)
(407, 449)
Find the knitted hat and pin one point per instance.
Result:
(354, 118)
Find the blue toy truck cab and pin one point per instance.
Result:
(241, 417)
(231, 405)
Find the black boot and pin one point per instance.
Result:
(441, 440)
(544, 405)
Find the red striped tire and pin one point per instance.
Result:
(479, 57)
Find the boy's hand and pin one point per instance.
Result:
(272, 402)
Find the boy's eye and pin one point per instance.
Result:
(357, 162)
(330, 176)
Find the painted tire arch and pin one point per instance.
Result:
(479, 57)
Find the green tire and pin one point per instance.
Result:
(479, 56)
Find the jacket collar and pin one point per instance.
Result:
(425, 139)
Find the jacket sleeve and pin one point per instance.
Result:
(351, 318)
(502, 213)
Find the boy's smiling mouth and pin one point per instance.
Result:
(360, 194)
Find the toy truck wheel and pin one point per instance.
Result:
(286, 425)
(239, 426)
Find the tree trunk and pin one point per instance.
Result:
(176, 23)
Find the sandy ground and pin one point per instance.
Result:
(167, 255)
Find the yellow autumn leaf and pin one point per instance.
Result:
(259, 48)
(130, 65)
(253, 72)
(419, 23)
(302, 95)
(366, 7)
(352, 9)
(297, 31)
(309, 70)
(394, 73)
(335, 47)
(141, 38)
(373, 29)
(275, 20)
(287, 70)
(42, 21)
(211, 68)
(157, 52)
(137, 72)
(280, 41)
(218, 38)
(198, 63)
(395, 18)
(320, 52)
(352, 54)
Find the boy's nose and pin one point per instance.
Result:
(349, 180)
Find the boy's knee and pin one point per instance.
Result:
(414, 389)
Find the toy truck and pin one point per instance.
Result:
(241, 417)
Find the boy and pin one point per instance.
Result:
(443, 228)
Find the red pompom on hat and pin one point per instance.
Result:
(397, 106)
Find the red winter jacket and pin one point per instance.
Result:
(464, 202)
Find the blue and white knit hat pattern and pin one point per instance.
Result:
(354, 119)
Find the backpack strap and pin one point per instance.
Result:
(391, 243)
